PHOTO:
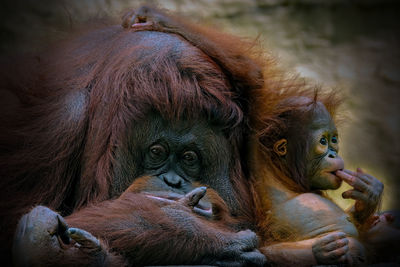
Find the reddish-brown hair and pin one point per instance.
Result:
(78, 99)
(276, 113)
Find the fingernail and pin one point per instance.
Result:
(71, 231)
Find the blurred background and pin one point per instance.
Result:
(351, 45)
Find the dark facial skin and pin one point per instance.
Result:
(174, 158)
(153, 146)
(176, 155)
(167, 161)
(324, 233)
(323, 160)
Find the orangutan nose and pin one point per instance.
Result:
(172, 179)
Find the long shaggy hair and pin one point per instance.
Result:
(78, 100)
(276, 113)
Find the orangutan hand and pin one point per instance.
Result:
(43, 238)
(331, 249)
(192, 200)
(367, 191)
(382, 231)
(240, 248)
(147, 18)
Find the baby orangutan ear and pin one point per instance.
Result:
(280, 147)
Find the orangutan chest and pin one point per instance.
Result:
(310, 215)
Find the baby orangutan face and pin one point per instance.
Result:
(323, 160)
(310, 148)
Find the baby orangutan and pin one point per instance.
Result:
(297, 223)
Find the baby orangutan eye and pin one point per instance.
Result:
(323, 141)
(334, 140)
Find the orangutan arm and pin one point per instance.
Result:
(333, 248)
(148, 230)
(290, 253)
(367, 192)
(136, 229)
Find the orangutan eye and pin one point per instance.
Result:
(157, 152)
(323, 141)
(189, 157)
(334, 140)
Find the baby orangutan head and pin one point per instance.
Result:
(309, 146)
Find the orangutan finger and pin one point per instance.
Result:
(192, 198)
(352, 180)
(389, 217)
(372, 220)
(336, 244)
(354, 194)
(161, 199)
(62, 230)
(331, 238)
(365, 177)
(359, 170)
(84, 239)
(343, 259)
(338, 253)
(359, 176)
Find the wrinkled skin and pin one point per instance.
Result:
(381, 234)
(43, 238)
(174, 157)
(331, 249)
(147, 18)
(319, 231)
(177, 157)
(326, 168)
(323, 160)
(367, 192)
(195, 74)
(74, 246)
(198, 58)
(227, 249)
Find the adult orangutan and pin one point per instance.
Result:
(162, 98)
(296, 157)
